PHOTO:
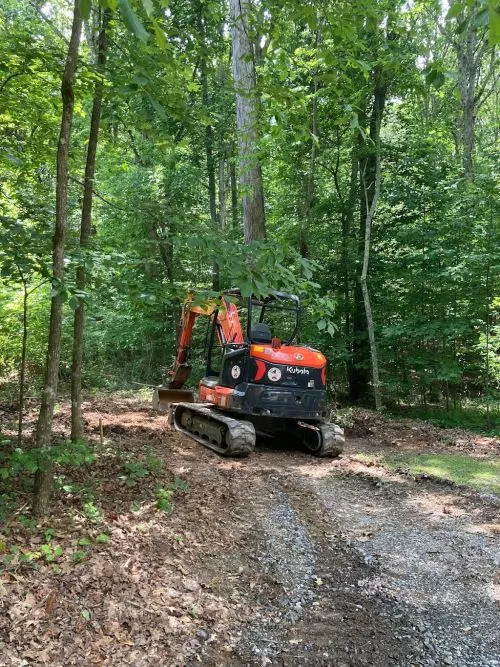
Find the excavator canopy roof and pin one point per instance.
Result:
(278, 296)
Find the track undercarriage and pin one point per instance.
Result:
(231, 436)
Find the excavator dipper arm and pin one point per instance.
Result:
(229, 331)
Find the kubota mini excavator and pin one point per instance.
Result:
(261, 383)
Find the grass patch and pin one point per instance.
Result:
(483, 474)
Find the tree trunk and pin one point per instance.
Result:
(222, 194)
(465, 48)
(368, 165)
(247, 116)
(310, 180)
(370, 213)
(311, 174)
(22, 375)
(85, 231)
(43, 436)
(356, 368)
(348, 209)
(470, 48)
(209, 138)
(234, 191)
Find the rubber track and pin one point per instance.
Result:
(240, 437)
(333, 440)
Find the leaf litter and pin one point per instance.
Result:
(280, 559)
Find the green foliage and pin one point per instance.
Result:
(164, 495)
(92, 513)
(479, 13)
(50, 553)
(132, 21)
(102, 538)
(136, 470)
(49, 534)
(27, 522)
(78, 556)
(434, 268)
(21, 461)
(478, 417)
(12, 556)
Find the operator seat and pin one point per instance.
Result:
(260, 333)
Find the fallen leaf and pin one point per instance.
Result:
(50, 603)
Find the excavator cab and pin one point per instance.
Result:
(269, 321)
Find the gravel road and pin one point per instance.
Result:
(366, 567)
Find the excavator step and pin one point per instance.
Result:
(222, 434)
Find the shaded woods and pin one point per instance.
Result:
(342, 151)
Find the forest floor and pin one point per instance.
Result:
(279, 559)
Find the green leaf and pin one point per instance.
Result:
(78, 556)
(73, 302)
(494, 31)
(132, 21)
(455, 10)
(85, 7)
(102, 538)
(148, 7)
(84, 542)
(161, 40)
(322, 325)
(86, 614)
(158, 107)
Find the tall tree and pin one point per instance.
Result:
(209, 131)
(85, 231)
(372, 110)
(471, 45)
(371, 193)
(247, 118)
(43, 477)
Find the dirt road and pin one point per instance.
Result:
(353, 566)
(280, 559)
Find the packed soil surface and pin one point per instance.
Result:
(279, 559)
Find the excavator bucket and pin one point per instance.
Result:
(163, 397)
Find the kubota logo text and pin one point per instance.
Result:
(297, 369)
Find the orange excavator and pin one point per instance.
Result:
(255, 383)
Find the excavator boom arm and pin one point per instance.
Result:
(229, 331)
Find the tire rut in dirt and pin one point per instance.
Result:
(318, 615)
(285, 557)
